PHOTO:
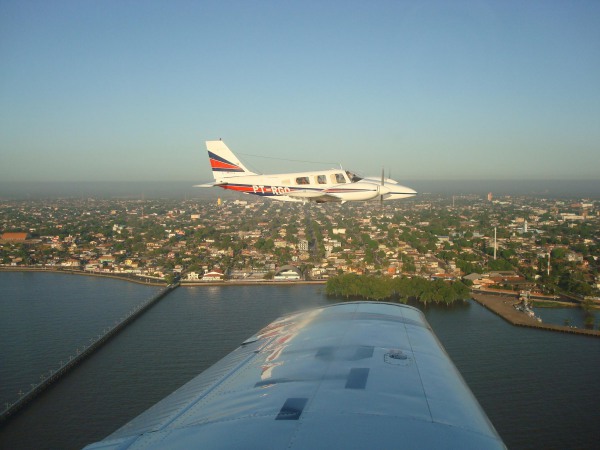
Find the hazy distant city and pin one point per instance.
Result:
(183, 189)
(548, 245)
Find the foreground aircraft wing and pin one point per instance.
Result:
(353, 375)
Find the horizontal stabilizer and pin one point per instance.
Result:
(213, 184)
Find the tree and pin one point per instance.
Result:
(500, 264)
(169, 278)
(382, 288)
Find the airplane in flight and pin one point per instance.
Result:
(332, 185)
(353, 375)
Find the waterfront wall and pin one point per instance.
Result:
(149, 281)
(502, 305)
(145, 280)
(55, 375)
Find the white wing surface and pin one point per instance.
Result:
(354, 376)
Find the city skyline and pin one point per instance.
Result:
(118, 91)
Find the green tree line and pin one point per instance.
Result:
(371, 287)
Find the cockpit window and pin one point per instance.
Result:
(339, 178)
(302, 180)
(353, 177)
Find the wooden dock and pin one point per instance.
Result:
(503, 305)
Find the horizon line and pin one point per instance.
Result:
(404, 179)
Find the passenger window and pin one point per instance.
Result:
(302, 180)
(321, 179)
(339, 178)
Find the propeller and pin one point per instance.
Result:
(380, 189)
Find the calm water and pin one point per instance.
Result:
(540, 389)
(575, 317)
(45, 317)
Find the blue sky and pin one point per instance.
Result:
(130, 90)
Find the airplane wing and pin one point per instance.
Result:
(312, 195)
(353, 375)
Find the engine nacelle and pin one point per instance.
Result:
(355, 191)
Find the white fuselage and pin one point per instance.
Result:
(322, 186)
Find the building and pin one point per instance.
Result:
(14, 237)
(303, 245)
(192, 276)
(288, 273)
(213, 275)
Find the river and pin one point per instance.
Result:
(539, 388)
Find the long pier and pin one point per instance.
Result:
(55, 375)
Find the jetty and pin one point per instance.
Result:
(503, 305)
(54, 375)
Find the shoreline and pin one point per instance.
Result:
(248, 283)
(142, 281)
(81, 272)
(500, 303)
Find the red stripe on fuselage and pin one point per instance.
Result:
(238, 188)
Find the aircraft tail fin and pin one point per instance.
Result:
(223, 162)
